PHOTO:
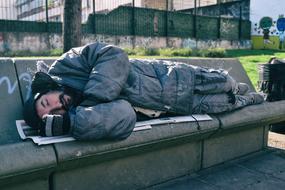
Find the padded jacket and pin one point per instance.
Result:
(112, 84)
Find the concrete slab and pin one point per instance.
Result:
(11, 106)
(26, 163)
(272, 112)
(268, 164)
(226, 147)
(264, 170)
(42, 184)
(184, 183)
(133, 172)
(236, 177)
(148, 140)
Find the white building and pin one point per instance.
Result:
(8, 10)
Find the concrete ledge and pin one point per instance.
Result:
(158, 137)
(133, 172)
(231, 146)
(11, 104)
(25, 161)
(262, 114)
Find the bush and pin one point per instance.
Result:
(56, 52)
(130, 51)
(213, 52)
(165, 51)
(184, 52)
(147, 51)
(151, 51)
(28, 53)
(216, 52)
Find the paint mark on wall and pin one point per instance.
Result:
(13, 85)
(281, 28)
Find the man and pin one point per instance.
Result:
(96, 92)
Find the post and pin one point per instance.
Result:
(240, 22)
(71, 24)
(195, 20)
(47, 21)
(133, 32)
(166, 22)
(94, 19)
(219, 20)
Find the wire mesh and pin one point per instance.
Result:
(173, 18)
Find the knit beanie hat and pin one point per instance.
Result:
(41, 84)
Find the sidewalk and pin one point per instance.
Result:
(264, 170)
(276, 140)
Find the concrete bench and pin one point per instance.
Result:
(144, 159)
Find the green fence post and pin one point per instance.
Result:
(133, 25)
(166, 22)
(240, 22)
(47, 21)
(219, 20)
(195, 20)
(94, 18)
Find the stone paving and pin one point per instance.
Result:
(262, 171)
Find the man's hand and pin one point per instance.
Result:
(55, 125)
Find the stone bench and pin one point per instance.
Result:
(144, 159)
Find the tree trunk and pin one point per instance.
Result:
(71, 24)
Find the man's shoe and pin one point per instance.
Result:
(255, 98)
(242, 88)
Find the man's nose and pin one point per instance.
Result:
(57, 104)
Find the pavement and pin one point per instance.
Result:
(264, 170)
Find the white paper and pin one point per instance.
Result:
(177, 119)
(26, 132)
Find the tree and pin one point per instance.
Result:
(71, 24)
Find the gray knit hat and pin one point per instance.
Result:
(41, 84)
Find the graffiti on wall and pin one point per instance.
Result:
(281, 28)
(272, 32)
(11, 86)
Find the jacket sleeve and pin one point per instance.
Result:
(110, 69)
(113, 120)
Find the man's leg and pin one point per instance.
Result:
(211, 81)
(217, 103)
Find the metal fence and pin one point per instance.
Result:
(170, 18)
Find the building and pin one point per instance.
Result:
(35, 10)
(8, 10)
(267, 24)
(226, 8)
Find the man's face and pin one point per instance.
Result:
(54, 102)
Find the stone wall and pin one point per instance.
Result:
(43, 41)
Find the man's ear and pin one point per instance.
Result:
(42, 66)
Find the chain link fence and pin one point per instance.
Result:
(166, 18)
